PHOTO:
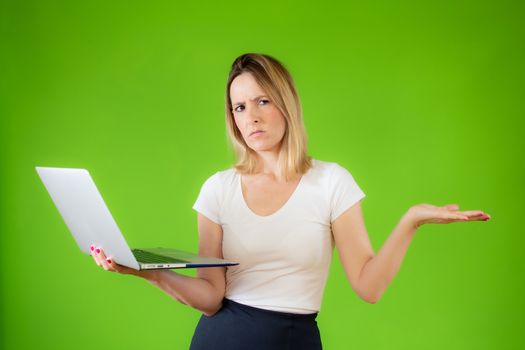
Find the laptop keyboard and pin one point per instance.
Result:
(148, 257)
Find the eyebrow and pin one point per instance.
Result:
(256, 97)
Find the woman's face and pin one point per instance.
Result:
(260, 122)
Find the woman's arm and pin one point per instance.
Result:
(370, 274)
(204, 292)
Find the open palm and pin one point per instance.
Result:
(431, 214)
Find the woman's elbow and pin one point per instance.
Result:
(214, 304)
(369, 297)
(373, 298)
(212, 309)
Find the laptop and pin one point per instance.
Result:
(88, 218)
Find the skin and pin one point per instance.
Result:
(368, 273)
(253, 110)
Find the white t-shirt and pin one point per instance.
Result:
(283, 258)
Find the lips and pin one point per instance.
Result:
(255, 132)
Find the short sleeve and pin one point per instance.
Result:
(209, 199)
(344, 191)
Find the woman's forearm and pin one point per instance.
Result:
(379, 271)
(192, 291)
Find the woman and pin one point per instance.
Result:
(278, 212)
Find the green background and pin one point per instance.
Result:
(421, 101)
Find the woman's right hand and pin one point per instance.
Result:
(109, 264)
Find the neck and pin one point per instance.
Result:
(268, 164)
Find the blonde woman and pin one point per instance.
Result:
(279, 213)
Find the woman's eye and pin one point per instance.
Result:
(240, 108)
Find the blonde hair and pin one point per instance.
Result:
(273, 77)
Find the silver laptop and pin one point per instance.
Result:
(89, 220)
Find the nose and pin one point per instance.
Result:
(253, 114)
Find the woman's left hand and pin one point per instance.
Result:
(430, 214)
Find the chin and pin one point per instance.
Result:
(263, 148)
(262, 145)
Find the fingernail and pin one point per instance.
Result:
(108, 260)
(92, 247)
(97, 250)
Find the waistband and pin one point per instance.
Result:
(228, 302)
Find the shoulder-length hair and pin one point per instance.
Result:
(273, 77)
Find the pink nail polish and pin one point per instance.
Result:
(108, 260)
(92, 247)
(98, 251)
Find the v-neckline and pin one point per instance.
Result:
(278, 211)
